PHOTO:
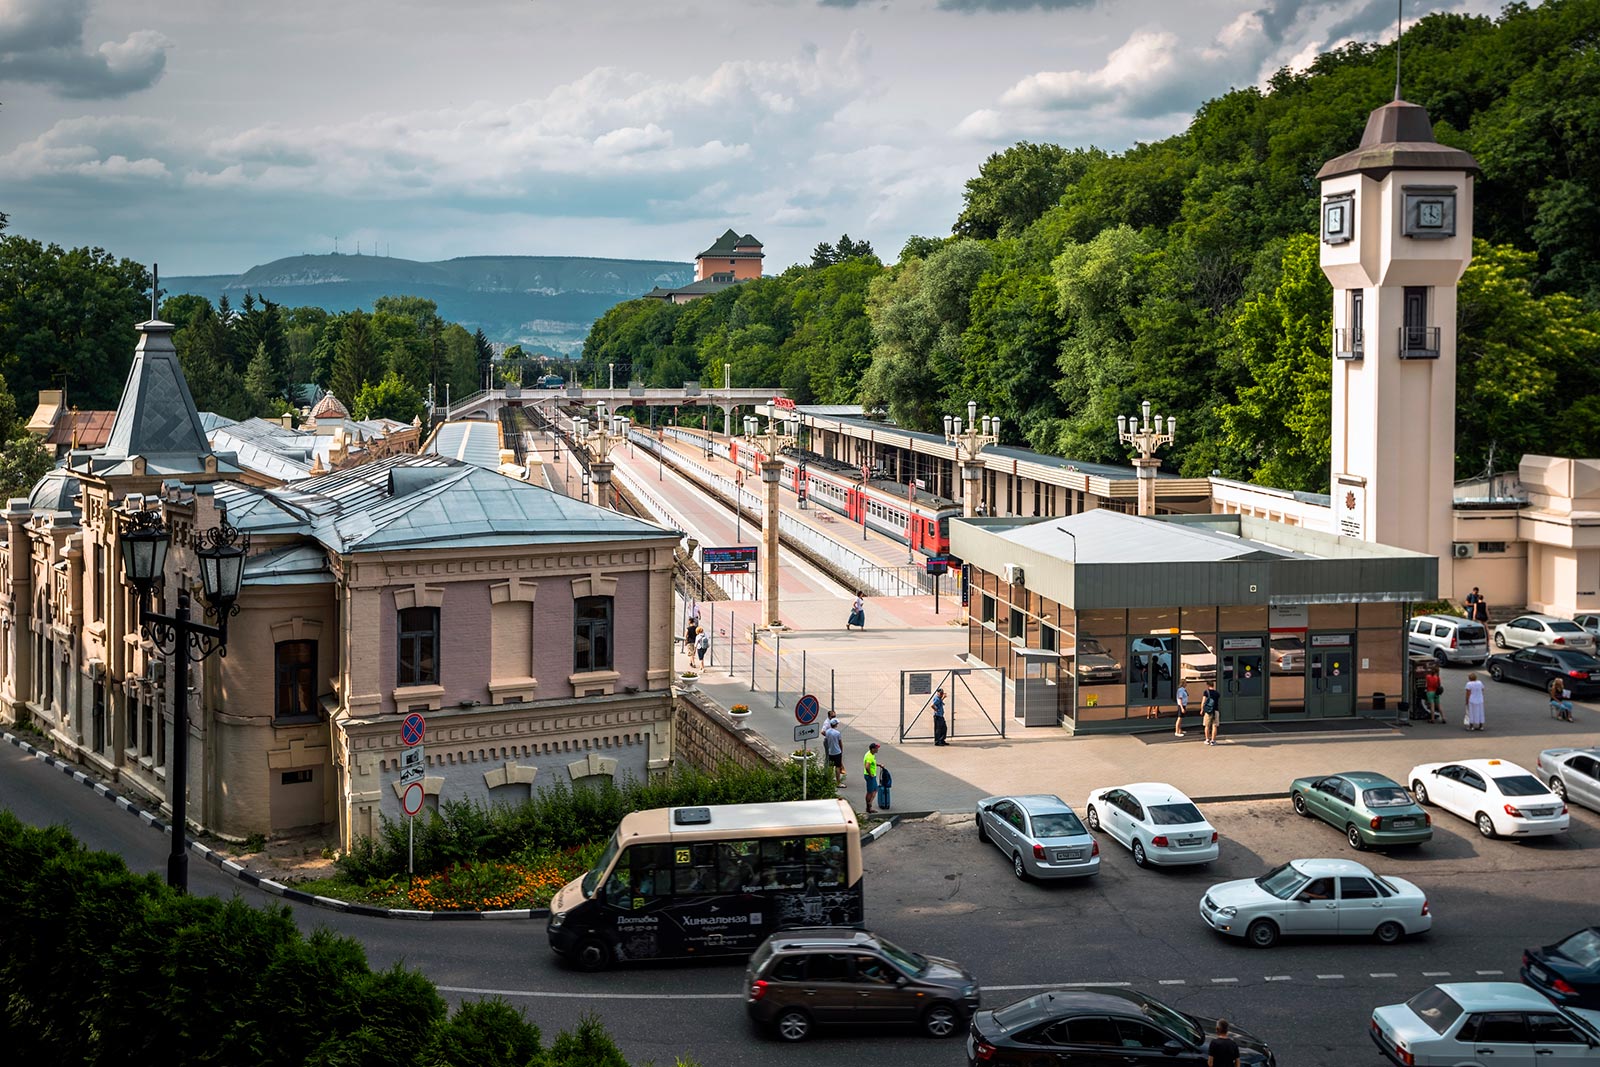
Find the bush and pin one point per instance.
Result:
(101, 966)
(563, 817)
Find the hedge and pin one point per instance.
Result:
(102, 966)
(564, 816)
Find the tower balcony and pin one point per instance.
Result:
(1348, 343)
(1419, 342)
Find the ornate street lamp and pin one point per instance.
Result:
(221, 551)
(1146, 436)
(970, 443)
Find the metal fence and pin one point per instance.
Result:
(975, 702)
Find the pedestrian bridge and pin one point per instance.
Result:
(489, 402)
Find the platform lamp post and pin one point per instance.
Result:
(609, 431)
(969, 443)
(221, 551)
(771, 470)
(1146, 436)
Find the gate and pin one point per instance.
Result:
(974, 702)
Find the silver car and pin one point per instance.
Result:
(1448, 639)
(1040, 834)
(1317, 896)
(1573, 774)
(1530, 631)
(1590, 622)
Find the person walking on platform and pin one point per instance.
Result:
(858, 614)
(833, 749)
(940, 726)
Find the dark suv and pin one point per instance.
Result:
(799, 978)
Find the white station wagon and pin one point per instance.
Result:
(1501, 798)
(1318, 897)
(1502, 1023)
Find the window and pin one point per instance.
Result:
(987, 613)
(1049, 639)
(1357, 318)
(1548, 1029)
(1088, 1030)
(1357, 889)
(419, 646)
(1136, 1034)
(295, 777)
(1015, 629)
(1502, 1028)
(592, 634)
(296, 666)
(1490, 547)
(98, 723)
(102, 588)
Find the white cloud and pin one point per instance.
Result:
(42, 42)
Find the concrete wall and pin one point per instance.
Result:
(704, 736)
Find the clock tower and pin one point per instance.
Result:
(1396, 233)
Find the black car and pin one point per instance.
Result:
(1568, 972)
(1536, 666)
(1096, 1025)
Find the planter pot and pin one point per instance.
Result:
(741, 719)
(803, 757)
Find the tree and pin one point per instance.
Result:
(356, 361)
(485, 355)
(824, 255)
(23, 461)
(263, 378)
(1016, 186)
(391, 398)
(204, 348)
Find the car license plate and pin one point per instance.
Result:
(1066, 855)
(1403, 824)
(1541, 812)
(1539, 972)
(1189, 842)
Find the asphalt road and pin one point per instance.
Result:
(933, 887)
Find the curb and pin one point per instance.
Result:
(235, 870)
(894, 820)
(1228, 798)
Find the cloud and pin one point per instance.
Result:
(41, 42)
(973, 6)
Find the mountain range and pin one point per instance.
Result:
(540, 302)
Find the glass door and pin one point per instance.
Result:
(1242, 680)
(1330, 676)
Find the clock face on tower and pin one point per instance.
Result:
(1430, 212)
(1338, 220)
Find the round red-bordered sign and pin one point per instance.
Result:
(411, 798)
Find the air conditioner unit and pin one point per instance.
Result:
(1462, 550)
(1012, 572)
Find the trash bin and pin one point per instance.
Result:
(1380, 701)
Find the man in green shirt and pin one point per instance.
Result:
(869, 770)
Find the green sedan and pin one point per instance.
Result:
(1372, 810)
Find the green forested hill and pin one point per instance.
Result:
(1076, 282)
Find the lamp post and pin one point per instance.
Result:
(969, 444)
(221, 551)
(1146, 436)
(608, 432)
(771, 471)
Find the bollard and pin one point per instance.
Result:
(752, 657)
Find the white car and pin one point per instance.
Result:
(1573, 774)
(1157, 823)
(1501, 798)
(1502, 1023)
(1529, 631)
(1317, 897)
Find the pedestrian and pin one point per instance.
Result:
(1474, 719)
(1182, 697)
(1561, 699)
(1223, 1050)
(1477, 607)
(702, 647)
(858, 614)
(1433, 690)
(940, 727)
(833, 750)
(885, 780)
(869, 771)
(1208, 712)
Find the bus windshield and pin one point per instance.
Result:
(591, 881)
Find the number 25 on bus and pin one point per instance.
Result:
(680, 883)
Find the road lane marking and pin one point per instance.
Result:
(1172, 981)
(1279, 978)
(1219, 981)
(1382, 974)
(565, 995)
(1328, 977)
(1062, 985)
(1436, 974)
(1491, 972)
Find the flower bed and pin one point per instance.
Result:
(527, 881)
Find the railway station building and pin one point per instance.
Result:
(1095, 619)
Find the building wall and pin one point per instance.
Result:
(705, 738)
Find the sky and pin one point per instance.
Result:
(214, 135)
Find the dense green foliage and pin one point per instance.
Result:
(563, 816)
(1077, 283)
(101, 966)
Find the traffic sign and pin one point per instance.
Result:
(806, 710)
(411, 798)
(808, 731)
(412, 729)
(413, 767)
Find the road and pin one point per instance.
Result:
(933, 887)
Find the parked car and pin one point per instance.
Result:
(797, 979)
(1589, 622)
(1482, 1022)
(1501, 798)
(1567, 972)
(1156, 821)
(1288, 654)
(1094, 663)
(1529, 631)
(1196, 661)
(1316, 896)
(1099, 1025)
(1578, 671)
(1573, 774)
(1372, 810)
(1448, 639)
(1040, 834)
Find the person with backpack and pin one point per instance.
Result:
(1209, 712)
(869, 771)
(702, 647)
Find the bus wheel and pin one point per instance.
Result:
(793, 1025)
(591, 955)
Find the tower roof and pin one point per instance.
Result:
(731, 246)
(156, 415)
(1399, 136)
(329, 407)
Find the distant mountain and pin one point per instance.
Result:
(539, 302)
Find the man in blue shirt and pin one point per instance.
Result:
(833, 749)
(940, 727)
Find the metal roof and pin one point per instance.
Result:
(156, 415)
(303, 564)
(471, 441)
(1103, 536)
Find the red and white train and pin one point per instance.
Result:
(908, 515)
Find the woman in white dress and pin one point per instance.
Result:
(1474, 702)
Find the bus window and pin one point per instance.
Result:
(783, 864)
(825, 861)
(639, 878)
